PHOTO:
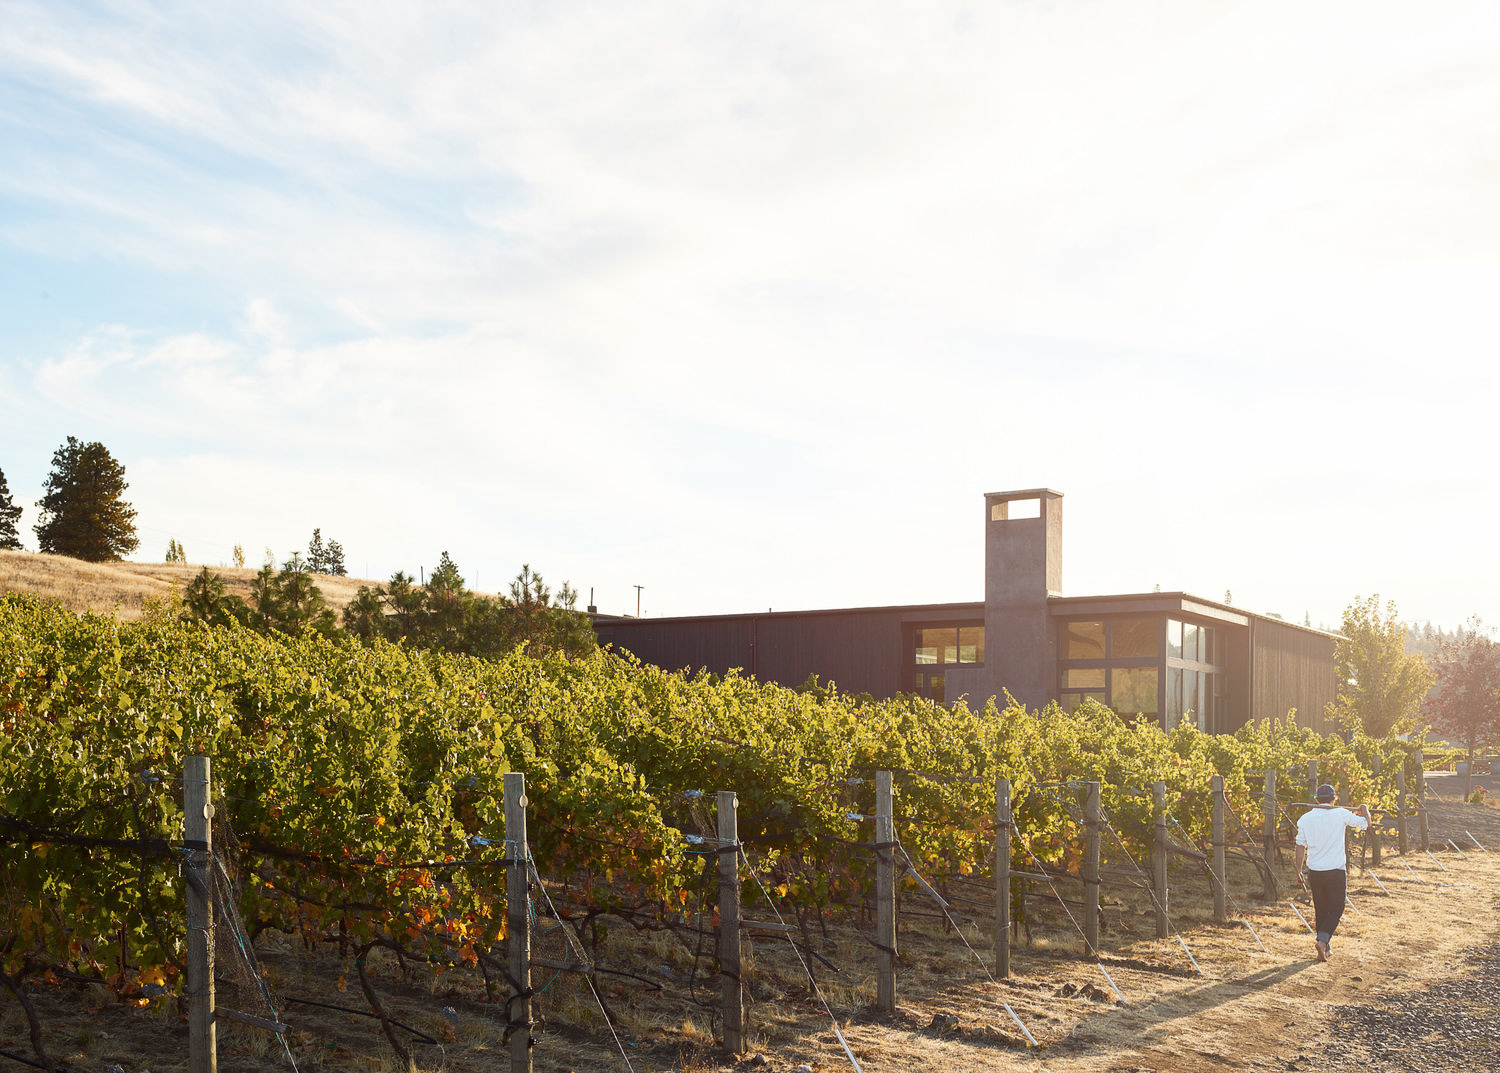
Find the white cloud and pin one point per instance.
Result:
(688, 286)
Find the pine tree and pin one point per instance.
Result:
(317, 558)
(335, 560)
(10, 514)
(82, 514)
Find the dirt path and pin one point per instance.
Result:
(1411, 986)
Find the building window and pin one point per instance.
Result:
(949, 644)
(1083, 640)
(1135, 638)
(1133, 690)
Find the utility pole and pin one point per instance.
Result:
(638, 589)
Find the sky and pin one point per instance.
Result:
(749, 305)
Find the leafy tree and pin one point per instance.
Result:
(82, 514)
(239, 556)
(1379, 686)
(10, 514)
(175, 554)
(1465, 700)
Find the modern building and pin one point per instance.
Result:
(1166, 655)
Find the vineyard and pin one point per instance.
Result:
(360, 791)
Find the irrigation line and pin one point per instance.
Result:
(582, 958)
(1042, 869)
(837, 1031)
(943, 905)
(1224, 886)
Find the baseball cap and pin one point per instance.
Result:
(1326, 793)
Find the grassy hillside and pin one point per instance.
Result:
(121, 588)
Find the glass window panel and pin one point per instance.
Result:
(1083, 640)
(1134, 638)
(971, 644)
(1174, 695)
(1084, 678)
(1190, 641)
(940, 644)
(936, 687)
(1174, 638)
(1208, 644)
(1190, 709)
(1133, 690)
(1069, 702)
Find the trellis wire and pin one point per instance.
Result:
(582, 958)
(837, 1031)
(1104, 817)
(1042, 869)
(943, 905)
(1224, 885)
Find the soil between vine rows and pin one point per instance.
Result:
(1412, 986)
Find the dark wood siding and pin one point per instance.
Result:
(1291, 668)
(862, 651)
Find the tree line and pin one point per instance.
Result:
(442, 614)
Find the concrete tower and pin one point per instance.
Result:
(1022, 567)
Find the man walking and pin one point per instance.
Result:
(1320, 846)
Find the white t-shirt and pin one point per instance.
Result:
(1321, 830)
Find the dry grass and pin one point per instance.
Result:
(121, 589)
(1248, 1010)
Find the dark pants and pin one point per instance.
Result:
(1328, 901)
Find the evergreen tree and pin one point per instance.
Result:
(175, 554)
(205, 600)
(10, 514)
(317, 558)
(336, 560)
(82, 514)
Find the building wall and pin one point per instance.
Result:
(1290, 668)
(863, 650)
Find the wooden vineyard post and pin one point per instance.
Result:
(1159, 859)
(1092, 822)
(885, 894)
(1401, 809)
(1269, 835)
(732, 989)
(1312, 778)
(1375, 835)
(518, 919)
(1221, 910)
(1002, 877)
(198, 812)
(1421, 802)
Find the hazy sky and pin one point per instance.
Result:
(749, 304)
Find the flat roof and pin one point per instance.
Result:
(963, 607)
(1160, 602)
